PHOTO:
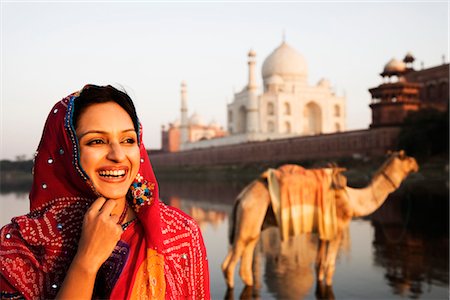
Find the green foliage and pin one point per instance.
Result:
(425, 133)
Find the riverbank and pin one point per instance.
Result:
(16, 176)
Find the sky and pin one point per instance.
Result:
(49, 50)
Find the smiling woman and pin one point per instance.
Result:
(109, 152)
(97, 228)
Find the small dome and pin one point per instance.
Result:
(214, 124)
(324, 82)
(176, 123)
(409, 58)
(251, 53)
(284, 61)
(274, 79)
(195, 119)
(394, 67)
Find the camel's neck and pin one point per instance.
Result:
(366, 200)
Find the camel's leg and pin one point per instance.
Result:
(332, 252)
(236, 253)
(247, 261)
(256, 267)
(321, 259)
(226, 261)
(250, 214)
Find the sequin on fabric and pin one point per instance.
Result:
(184, 256)
(50, 246)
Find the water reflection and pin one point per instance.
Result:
(411, 240)
(401, 251)
(414, 258)
(288, 264)
(203, 213)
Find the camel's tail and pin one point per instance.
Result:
(233, 216)
(232, 222)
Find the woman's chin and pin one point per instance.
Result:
(114, 196)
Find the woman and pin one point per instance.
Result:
(97, 228)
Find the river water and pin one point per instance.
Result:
(401, 251)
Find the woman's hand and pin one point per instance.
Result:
(100, 234)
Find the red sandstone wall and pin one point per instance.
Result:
(368, 142)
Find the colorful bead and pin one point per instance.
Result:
(55, 110)
(59, 226)
(142, 193)
(50, 161)
(8, 236)
(44, 186)
(61, 151)
(139, 177)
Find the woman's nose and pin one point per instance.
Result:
(116, 152)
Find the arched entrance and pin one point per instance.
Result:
(241, 120)
(312, 119)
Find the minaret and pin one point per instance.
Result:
(251, 70)
(184, 115)
(252, 104)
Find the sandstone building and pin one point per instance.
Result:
(405, 90)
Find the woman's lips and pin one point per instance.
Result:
(113, 174)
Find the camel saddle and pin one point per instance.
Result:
(304, 200)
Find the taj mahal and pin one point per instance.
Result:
(286, 105)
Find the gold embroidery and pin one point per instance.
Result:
(150, 282)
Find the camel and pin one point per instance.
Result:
(253, 212)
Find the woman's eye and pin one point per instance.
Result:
(129, 141)
(95, 142)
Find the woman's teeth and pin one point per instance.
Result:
(112, 173)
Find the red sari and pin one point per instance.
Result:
(161, 255)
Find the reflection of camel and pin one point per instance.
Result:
(253, 212)
(289, 273)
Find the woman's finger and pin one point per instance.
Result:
(115, 218)
(98, 204)
(108, 207)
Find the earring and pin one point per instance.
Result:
(142, 192)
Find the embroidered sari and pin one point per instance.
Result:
(161, 255)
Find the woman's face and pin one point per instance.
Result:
(109, 152)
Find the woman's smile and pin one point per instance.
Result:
(115, 174)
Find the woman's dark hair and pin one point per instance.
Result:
(93, 94)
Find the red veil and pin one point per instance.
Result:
(36, 249)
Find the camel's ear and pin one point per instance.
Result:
(389, 152)
(265, 174)
(332, 165)
(401, 154)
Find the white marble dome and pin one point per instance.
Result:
(195, 119)
(284, 61)
(274, 79)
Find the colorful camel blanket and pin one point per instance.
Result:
(303, 201)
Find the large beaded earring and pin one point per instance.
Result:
(142, 192)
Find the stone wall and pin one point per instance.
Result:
(326, 146)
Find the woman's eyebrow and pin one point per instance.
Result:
(101, 132)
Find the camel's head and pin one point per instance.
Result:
(406, 163)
